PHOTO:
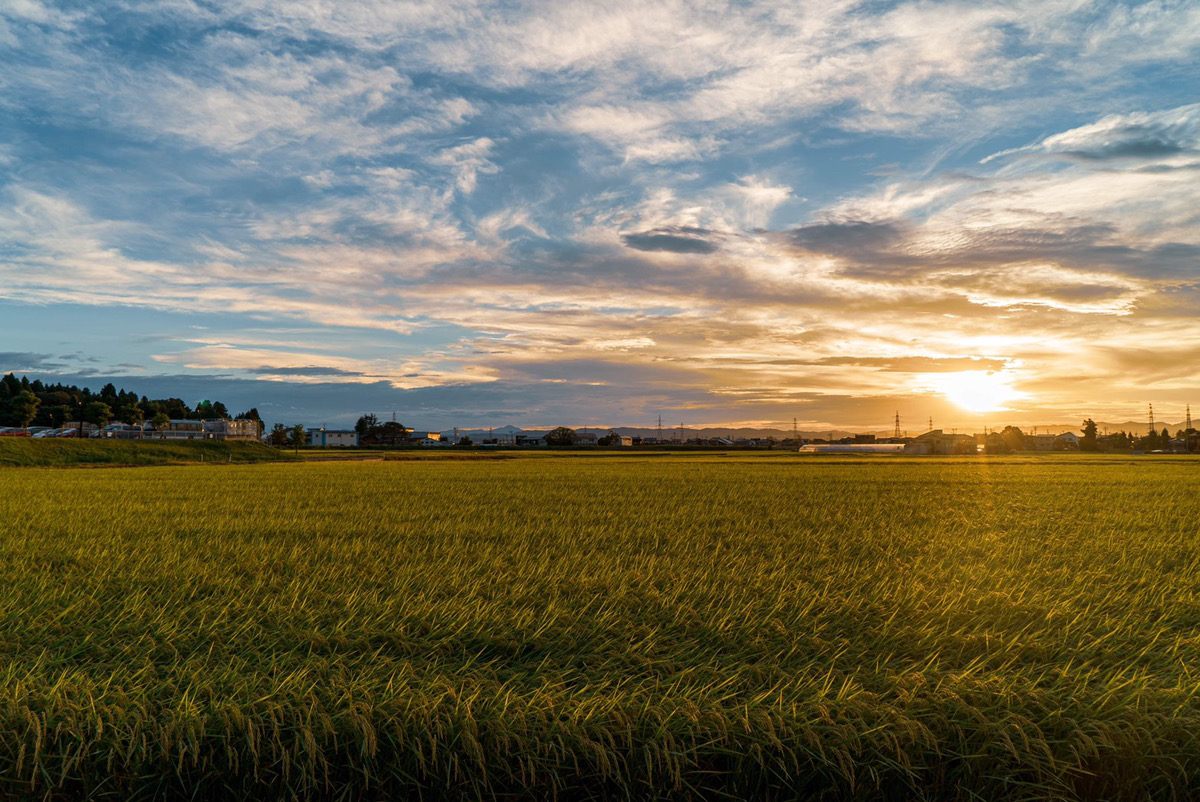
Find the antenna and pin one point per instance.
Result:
(1152, 432)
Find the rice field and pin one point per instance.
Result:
(751, 627)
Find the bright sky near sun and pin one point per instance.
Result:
(538, 213)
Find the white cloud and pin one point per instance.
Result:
(1162, 136)
(467, 161)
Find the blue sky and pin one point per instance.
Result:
(725, 213)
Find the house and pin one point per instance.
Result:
(1067, 441)
(1040, 442)
(324, 438)
(416, 437)
(938, 442)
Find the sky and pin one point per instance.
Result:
(584, 213)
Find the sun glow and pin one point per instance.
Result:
(976, 390)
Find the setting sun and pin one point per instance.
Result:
(976, 390)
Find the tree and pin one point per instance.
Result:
(1088, 442)
(296, 436)
(58, 414)
(23, 408)
(10, 385)
(98, 412)
(610, 439)
(465, 441)
(562, 436)
(367, 426)
(279, 436)
(174, 407)
(219, 410)
(392, 433)
(994, 443)
(205, 411)
(1013, 437)
(160, 421)
(133, 415)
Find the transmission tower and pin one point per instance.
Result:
(1152, 432)
(896, 434)
(1187, 427)
(660, 429)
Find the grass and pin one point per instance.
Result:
(62, 452)
(683, 627)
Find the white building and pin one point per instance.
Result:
(344, 438)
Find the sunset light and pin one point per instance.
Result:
(977, 390)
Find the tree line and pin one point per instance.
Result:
(36, 403)
(1011, 438)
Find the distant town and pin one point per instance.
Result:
(39, 410)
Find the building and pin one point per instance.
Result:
(220, 429)
(1067, 441)
(1040, 442)
(938, 442)
(854, 448)
(324, 438)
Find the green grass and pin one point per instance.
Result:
(27, 451)
(682, 627)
